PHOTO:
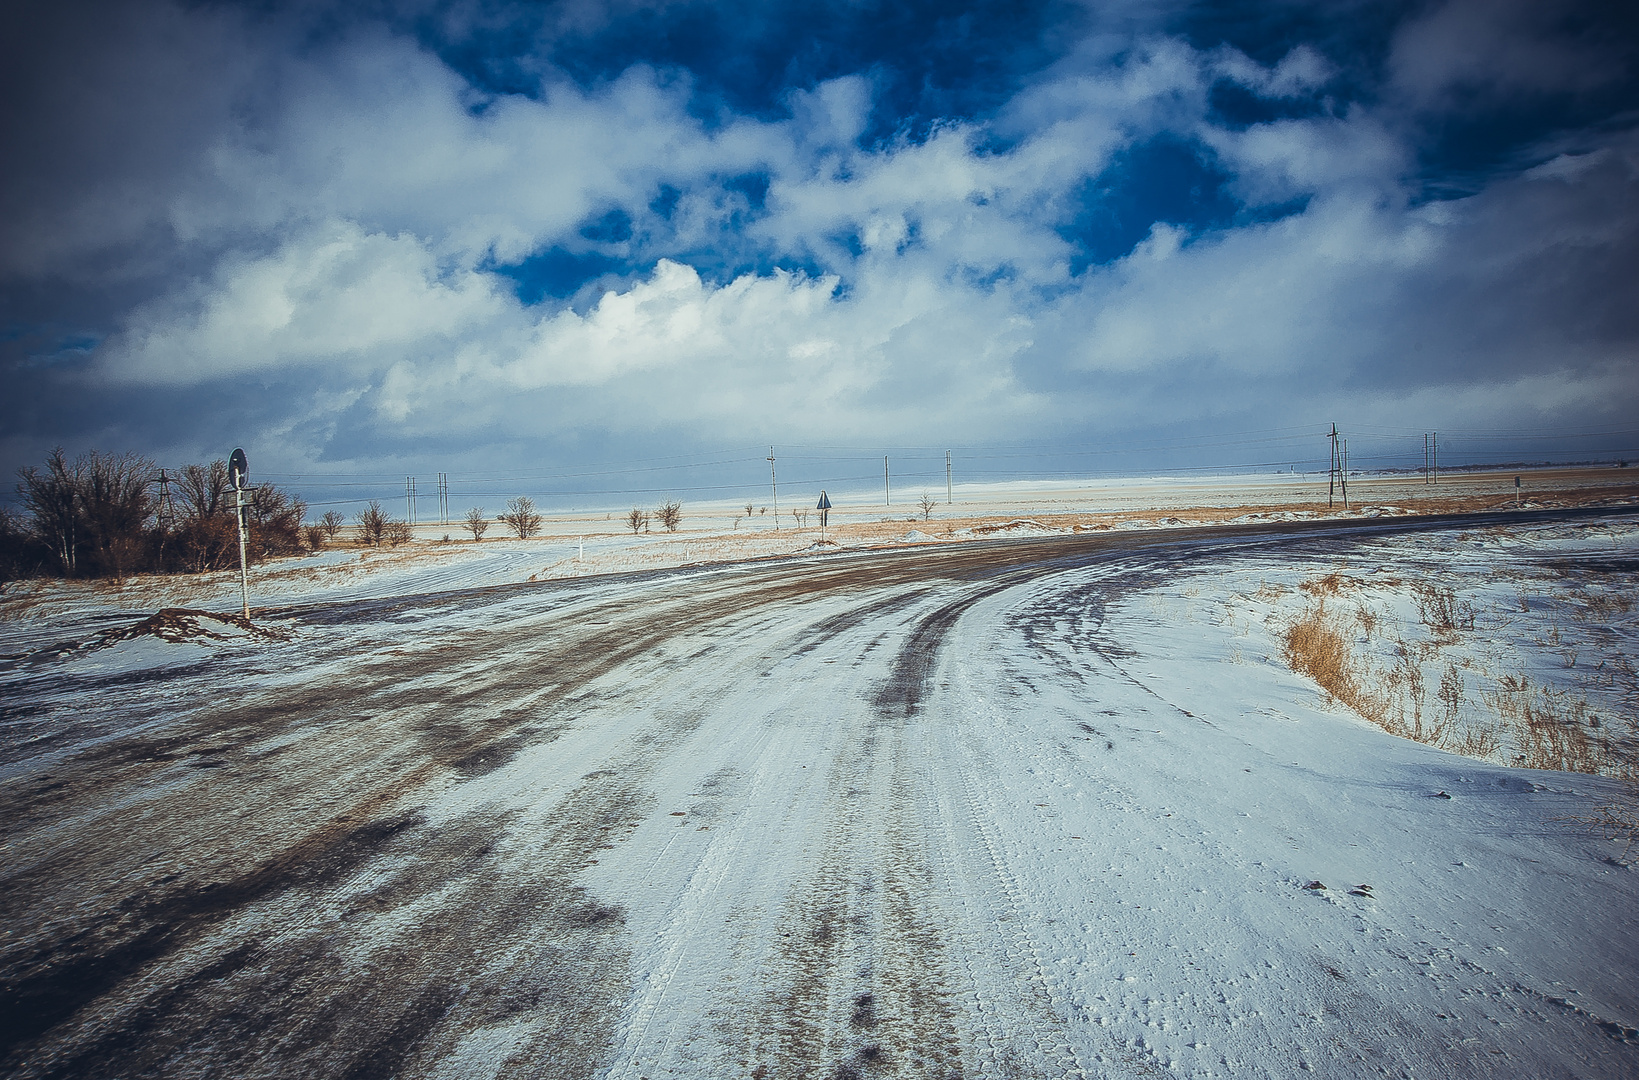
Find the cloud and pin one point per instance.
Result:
(774, 353)
(334, 296)
(351, 227)
(1506, 48)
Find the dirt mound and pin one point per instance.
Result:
(188, 626)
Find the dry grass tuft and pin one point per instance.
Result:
(1315, 648)
(1330, 585)
(1554, 729)
(1268, 593)
(1537, 727)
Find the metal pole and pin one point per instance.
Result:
(885, 500)
(774, 486)
(239, 515)
(947, 477)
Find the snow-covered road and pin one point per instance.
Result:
(978, 811)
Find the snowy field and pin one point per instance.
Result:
(894, 805)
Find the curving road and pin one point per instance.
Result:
(792, 819)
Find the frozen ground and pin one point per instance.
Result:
(1044, 807)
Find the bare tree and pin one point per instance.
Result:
(477, 524)
(93, 514)
(801, 518)
(273, 522)
(331, 523)
(670, 515)
(637, 521)
(117, 505)
(315, 537)
(50, 500)
(206, 534)
(396, 532)
(372, 524)
(19, 551)
(926, 505)
(749, 508)
(521, 517)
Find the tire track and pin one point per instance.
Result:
(269, 865)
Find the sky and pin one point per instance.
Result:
(621, 249)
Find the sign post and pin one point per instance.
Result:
(238, 469)
(824, 507)
(1516, 493)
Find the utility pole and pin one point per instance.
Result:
(1425, 457)
(409, 499)
(1344, 475)
(947, 477)
(443, 499)
(166, 513)
(1434, 458)
(885, 500)
(774, 487)
(1331, 471)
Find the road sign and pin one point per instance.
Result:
(824, 503)
(238, 467)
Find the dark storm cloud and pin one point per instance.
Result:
(372, 234)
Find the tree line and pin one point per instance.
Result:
(109, 515)
(102, 515)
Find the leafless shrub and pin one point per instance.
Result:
(1407, 694)
(1451, 694)
(1367, 619)
(670, 515)
(315, 537)
(1329, 585)
(1476, 740)
(396, 533)
(372, 524)
(926, 505)
(1553, 729)
(637, 521)
(1442, 612)
(273, 521)
(1601, 607)
(331, 523)
(1268, 593)
(521, 517)
(476, 523)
